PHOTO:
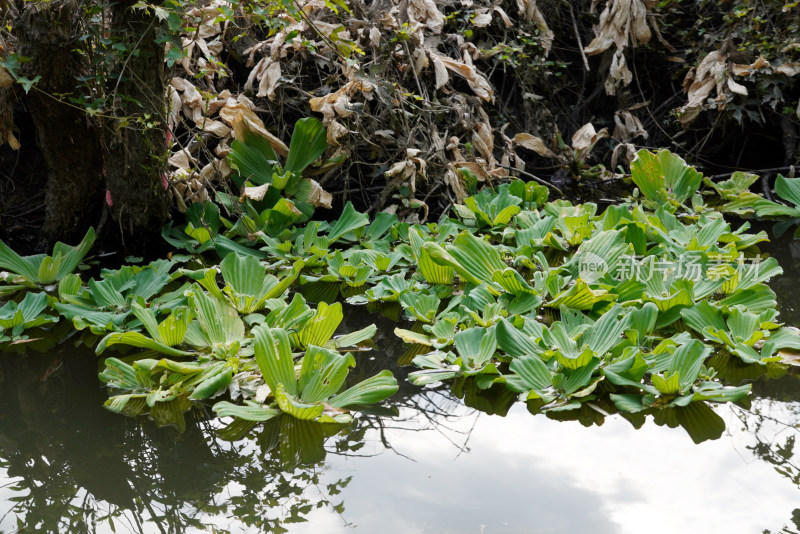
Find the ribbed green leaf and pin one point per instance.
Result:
(251, 411)
(421, 305)
(476, 256)
(575, 360)
(783, 338)
(106, 295)
(605, 333)
(48, 270)
(687, 361)
(273, 354)
(515, 343)
(767, 208)
(414, 338)
(323, 373)
(643, 321)
(756, 299)
(172, 330)
(27, 313)
(308, 142)
(26, 267)
(533, 373)
(627, 403)
(120, 375)
(320, 328)
(353, 338)
(510, 280)
(476, 345)
(148, 319)
(150, 281)
(744, 326)
(431, 271)
(71, 257)
(218, 320)
(212, 385)
(667, 386)
(664, 175)
(348, 221)
(83, 317)
(371, 390)
(295, 407)
(579, 296)
(788, 189)
(291, 317)
(135, 339)
(253, 158)
(245, 274)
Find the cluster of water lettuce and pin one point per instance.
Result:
(556, 302)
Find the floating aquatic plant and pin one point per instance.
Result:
(18, 317)
(313, 392)
(787, 189)
(43, 270)
(562, 305)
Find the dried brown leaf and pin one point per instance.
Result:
(215, 127)
(12, 141)
(374, 37)
(319, 197)
(476, 81)
(181, 159)
(246, 120)
(711, 73)
(255, 193)
(269, 80)
(531, 142)
(6, 80)
(482, 18)
(625, 151)
(503, 16)
(483, 141)
(789, 69)
(585, 138)
(736, 87)
(452, 180)
(440, 71)
(425, 13)
(747, 70)
(336, 131)
(618, 73)
(628, 126)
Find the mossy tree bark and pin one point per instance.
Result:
(68, 138)
(119, 157)
(136, 144)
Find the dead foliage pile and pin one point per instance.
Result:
(426, 101)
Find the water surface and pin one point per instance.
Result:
(434, 465)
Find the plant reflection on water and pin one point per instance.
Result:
(72, 466)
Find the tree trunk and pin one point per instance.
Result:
(68, 137)
(136, 150)
(119, 161)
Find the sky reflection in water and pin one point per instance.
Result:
(469, 473)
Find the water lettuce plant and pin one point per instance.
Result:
(787, 189)
(313, 393)
(42, 270)
(568, 307)
(18, 317)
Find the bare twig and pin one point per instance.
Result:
(578, 36)
(753, 171)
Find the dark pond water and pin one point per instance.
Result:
(437, 465)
